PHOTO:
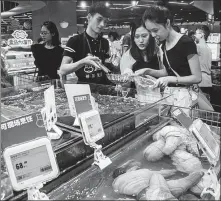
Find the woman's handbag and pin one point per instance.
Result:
(194, 90)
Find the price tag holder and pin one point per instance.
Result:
(93, 131)
(31, 163)
(212, 186)
(49, 114)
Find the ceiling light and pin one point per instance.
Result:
(64, 24)
(182, 1)
(134, 3)
(107, 4)
(83, 4)
(190, 13)
(181, 9)
(178, 3)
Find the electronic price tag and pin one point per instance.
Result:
(202, 134)
(92, 126)
(92, 130)
(49, 114)
(209, 146)
(207, 142)
(30, 164)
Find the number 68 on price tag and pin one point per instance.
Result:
(30, 163)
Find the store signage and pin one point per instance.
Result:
(19, 39)
(30, 163)
(22, 129)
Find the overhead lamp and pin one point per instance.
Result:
(64, 24)
(83, 4)
(134, 3)
(107, 4)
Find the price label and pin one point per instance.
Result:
(91, 126)
(79, 98)
(82, 103)
(31, 163)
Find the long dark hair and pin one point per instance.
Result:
(53, 30)
(135, 51)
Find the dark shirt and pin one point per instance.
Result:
(177, 56)
(78, 48)
(47, 61)
(152, 64)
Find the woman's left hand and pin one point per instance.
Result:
(162, 82)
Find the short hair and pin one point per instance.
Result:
(158, 14)
(176, 28)
(100, 8)
(191, 33)
(114, 34)
(205, 29)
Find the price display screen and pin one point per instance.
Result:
(94, 126)
(208, 138)
(31, 163)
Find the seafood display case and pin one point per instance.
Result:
(132, 129)
(121, 115)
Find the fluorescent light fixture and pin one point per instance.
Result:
(81, 10)
(116, 8)
(121, 4)
(178, 3)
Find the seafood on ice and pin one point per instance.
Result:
(147, 185)
(175, 142)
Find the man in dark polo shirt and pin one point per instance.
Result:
(90, 42)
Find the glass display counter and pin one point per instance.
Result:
(122, 117)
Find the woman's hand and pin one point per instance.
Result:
(162, 82)
(128, 72)
(141, 71)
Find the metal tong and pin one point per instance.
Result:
(104, 68)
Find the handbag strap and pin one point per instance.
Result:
(165, 52)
